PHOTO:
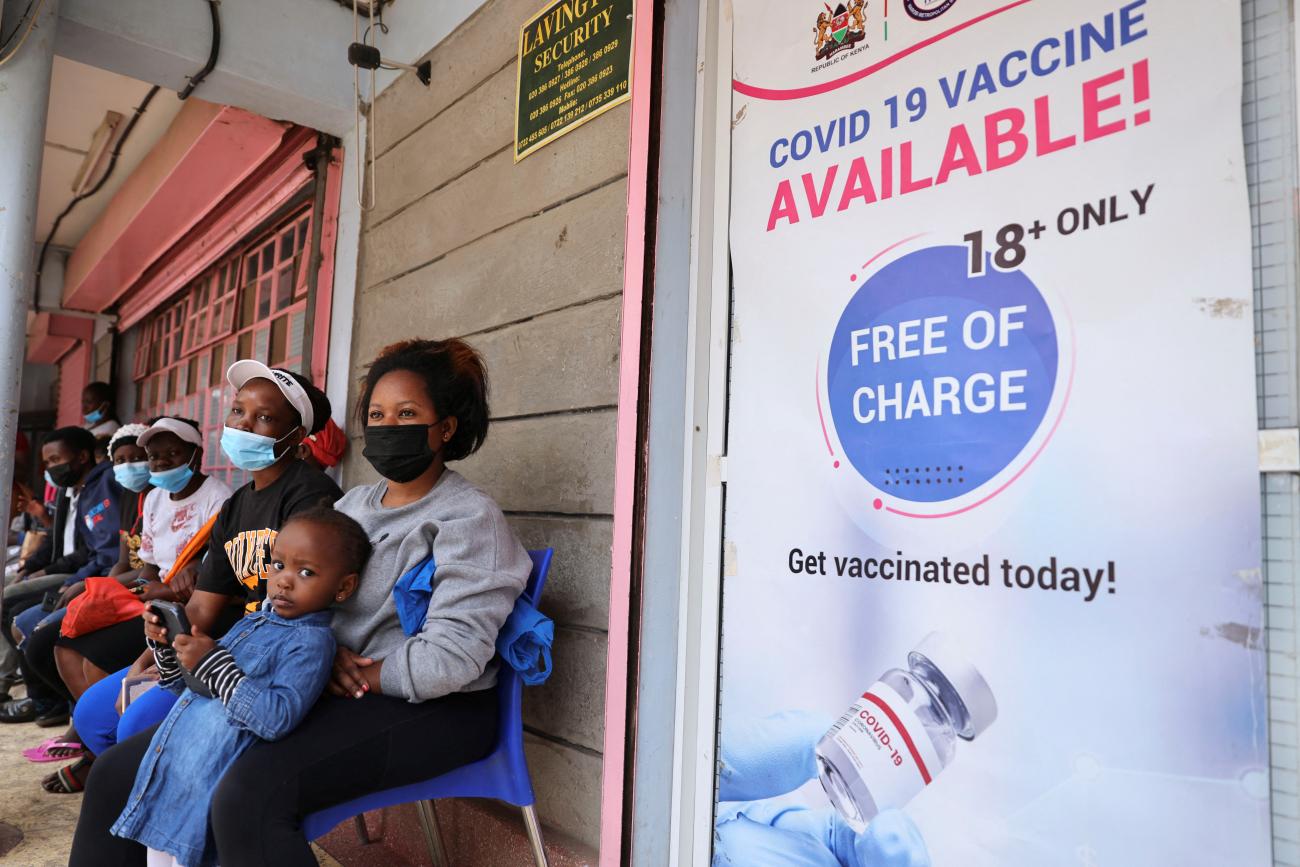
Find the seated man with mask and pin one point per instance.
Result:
(84, 542)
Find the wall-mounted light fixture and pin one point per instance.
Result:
(364, 53)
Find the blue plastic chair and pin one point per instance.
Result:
(502, 775)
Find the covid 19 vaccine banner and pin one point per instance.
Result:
(992, 590)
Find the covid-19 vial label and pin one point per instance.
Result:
(885, 742)
(894, 740)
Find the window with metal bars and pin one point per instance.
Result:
(252, 303)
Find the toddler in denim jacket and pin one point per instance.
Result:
(264, 675)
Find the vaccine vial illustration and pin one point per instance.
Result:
(894, 740)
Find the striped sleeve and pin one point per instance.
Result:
(169, 667)
(220, 673)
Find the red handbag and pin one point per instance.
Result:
(104, 603)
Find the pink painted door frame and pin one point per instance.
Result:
(626, 443)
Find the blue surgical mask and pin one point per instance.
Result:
(94, 417)
(172, 481)
(133, 476)
(250, 451)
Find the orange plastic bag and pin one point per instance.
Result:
(193, 548)
(105, 603)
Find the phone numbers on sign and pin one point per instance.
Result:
(565, 102)
(577, 65)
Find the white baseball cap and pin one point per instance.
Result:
(245, 369)
(187, 432)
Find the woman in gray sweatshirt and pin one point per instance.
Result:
(411, 693)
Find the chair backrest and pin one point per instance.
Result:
(537, 578)
(510, 731)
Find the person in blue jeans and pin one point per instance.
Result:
(263, 676)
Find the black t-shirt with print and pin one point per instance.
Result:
(239, 552)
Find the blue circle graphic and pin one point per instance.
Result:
(937, 380)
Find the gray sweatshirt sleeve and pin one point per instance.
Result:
(480, 571)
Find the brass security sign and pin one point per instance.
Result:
(575, 62)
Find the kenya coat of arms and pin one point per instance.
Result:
(840, 28)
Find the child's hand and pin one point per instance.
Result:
(154, 630)
(190, 649)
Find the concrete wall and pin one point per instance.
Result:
(525, 261)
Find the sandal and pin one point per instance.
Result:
(55, 750)
(69, 779)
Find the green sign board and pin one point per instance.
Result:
(575, 62)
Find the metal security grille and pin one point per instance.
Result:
(1269, 125)
(251, 304)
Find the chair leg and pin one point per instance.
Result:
(364, 833)
(534, 829)
(432, 833)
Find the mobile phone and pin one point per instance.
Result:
(177, 623)
(173, 617)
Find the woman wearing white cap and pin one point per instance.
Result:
(271, 413)
(182, 500)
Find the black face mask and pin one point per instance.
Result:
(399, 452)
(65, 475)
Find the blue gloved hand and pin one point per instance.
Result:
(764, 758)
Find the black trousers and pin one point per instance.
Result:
(344, 749)
(17, 600)
(36, 660)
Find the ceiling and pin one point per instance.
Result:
(80, 95)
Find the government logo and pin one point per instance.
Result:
(924, 10)
(840, 28)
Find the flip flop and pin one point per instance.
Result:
(55, 750)
(65, 781)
